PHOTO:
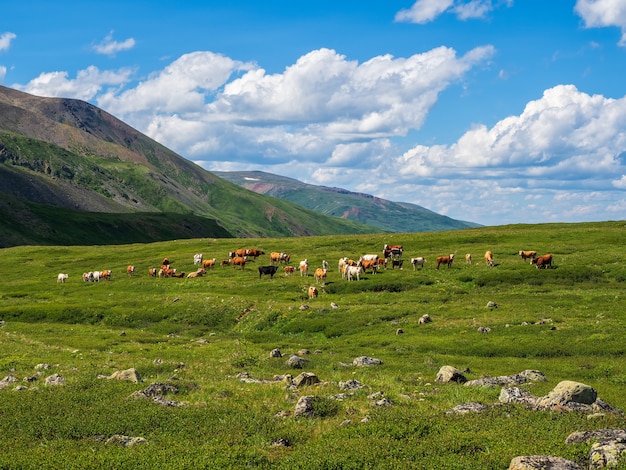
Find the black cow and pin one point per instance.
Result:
(396, 262)
(271, 270)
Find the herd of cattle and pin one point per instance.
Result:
(350, 269)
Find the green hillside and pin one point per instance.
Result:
(211, 396)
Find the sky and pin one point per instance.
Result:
(490, 111)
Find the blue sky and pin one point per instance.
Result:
(492, 111)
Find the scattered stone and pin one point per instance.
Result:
(492, 305)
(542, 462)
(607, 453)
(123, 333)
(345, 422)
(202, 341)
(306, 378)
(158, 361)
(280, 442)
(8, 380)
(31, 378)
(334, 305)
(130, 375)
(376, 395)
(318, 351)
(304, 407)
(509, 380)
(516, 395)
(158, 390)
(383, 402)
(366, 361)
(484, 329)
(351, 384)
(399, 331)
(468, 408)
(20, 388)
(282, 414)
(167, 402)
(424, 319)
(55, 379)
(43, 366)
(125, 441)
(296, 362)
(304, 307)
(597, 435)
(566, 392)
(450, 374)
(340, 396)
(304, 352)
(275, 353)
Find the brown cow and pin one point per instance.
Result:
(254, 253)
(289, 270)
(489, 258)
(313, 292)
(199, 273)
(369, 264)
(320, 275)
(208, 263)
(239, 261)
(152, 272)
(445, 260)
(130, 270)
(226, 262)
(542, 261)
(274, 257)
(528, 255)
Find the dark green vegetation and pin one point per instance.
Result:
(364, 208)
(63, 160)
(567, 322)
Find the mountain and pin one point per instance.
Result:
(363, 208)
(65, 163)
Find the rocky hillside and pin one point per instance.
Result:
(77, 159)
(363, 208)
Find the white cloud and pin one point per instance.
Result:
(425, 11)
(3, 73)
(110, 47)
(603, 13)
(5, 40)
(87, 84)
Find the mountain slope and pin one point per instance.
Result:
(363, 208)
(72, 155)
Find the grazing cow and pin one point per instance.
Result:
(95, 276)
(239, 261)
(165, 262)
(62, 277)
(274, 257)
(342, 263)
(130, 270)
(254, 253)
(418, 262)
(396, 262)
(445, 260)
(542, 262)
(197, 259)
(289, 270)
(489, 258)
(382, 262)
(240, 253)
(468, 258)
(152, 272)
(232, 254)
(199, 273)
(369, 257)
(392, 250)
(353, 271)
(528, 254)
(271, 270)
(304, 267)
(320, 275)
(226, 262)
(106, 274)
(208, 263)
(369, 264)
(87, 277)
(313, 292)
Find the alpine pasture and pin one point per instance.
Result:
(206, 344)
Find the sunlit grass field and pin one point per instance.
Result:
(199, 334)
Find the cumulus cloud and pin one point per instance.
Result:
(425, 11)
(110, 47)
(603, 13)
(5, 40)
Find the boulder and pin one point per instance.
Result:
(306, 378)
(296, 362)
(366, 361)
(126, 441)
(130, 375)
(55, 379)
(468, 408)
(607, 453)
(351, 384)
(567, 392)
(304, 407)
(450, 374)
(542, 462)
(275, 353)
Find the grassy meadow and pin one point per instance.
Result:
(568, 322)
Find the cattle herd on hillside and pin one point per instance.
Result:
(350, 269)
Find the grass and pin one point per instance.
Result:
(198, 334)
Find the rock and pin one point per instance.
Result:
(130, 375)
(280, 442)
(468, 408)
(597, 435)
(383, 402)
(304, 307)
(607, 453)
(424, 319)
(306, 378)
(492, 305)
(8, 380)
(566, 392)
(450, 374)
(366, 361)
(533, 375)
(125, 441)
(304, 352)
(333, 305)
(304, 407)
(158, 389)
(542, 462)
(399, 331)
(275, 353)
(55, 379)
(42, 366)
(351, 384)
(296, 362)
(516, 395)
(515, 379)
(484, 329)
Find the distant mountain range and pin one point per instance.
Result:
(364, 208)
(70, 173)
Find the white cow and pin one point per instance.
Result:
(62, 277)
(304, 267)
(197, 259)
(354, 271)
(418, 262)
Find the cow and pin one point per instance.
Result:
(130, 270)
(353, 271)
(165, 262)
(325, 264)
(369, 264)
(320, 275)
(271, 270)
(254, 253)
(342, 263)
(87, 277)
(392, 250)
(542, 262)
(419, 261)
(95, 276)
(396, 262)
(313, 292)
(289, 270)
(382, 262)
(239, 261)
(152, 272)
(199, 273)
(240, 253)
(528, 254)
(468, 258)
(62, 277)
(304, 267)
(445, 260)
(489, 258)
(226, 262)
(175, 274)
(106, 274)
(197, 259)
(208, 263)
(369, 257)
(275, 257)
